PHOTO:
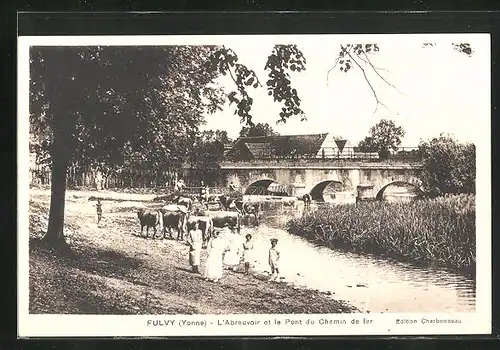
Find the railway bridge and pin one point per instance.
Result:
(334, 180)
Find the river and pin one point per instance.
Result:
(368, 283)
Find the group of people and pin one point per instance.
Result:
(226, 252)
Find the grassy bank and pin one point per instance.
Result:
(112, 270)
(439, 232)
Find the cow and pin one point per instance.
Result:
(174, 221)
(175, 218)
(226, 202)
(205, 224)
(250, 209)
(246, 209)
(214, 198)
(212, 201)
(150, 218)
(197, 207)
(184, 201)
(175, 208)
(307, 198)
(223, 219)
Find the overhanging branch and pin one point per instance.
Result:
(369, 84)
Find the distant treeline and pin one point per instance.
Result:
(41, 176)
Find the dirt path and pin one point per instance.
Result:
(114, 271)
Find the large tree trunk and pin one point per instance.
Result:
(55, 231)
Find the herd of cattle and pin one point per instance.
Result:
(181, 212)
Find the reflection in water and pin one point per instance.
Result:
(370, 284)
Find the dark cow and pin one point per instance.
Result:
(150, 218)
(307, 198)
(236, 205)
(214, 198)
(246, 209)
(226, 202)
(174, 220)
(211, 200)
(205, 224)
(250, 209)
(222, 219)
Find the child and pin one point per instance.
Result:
(247, 247)
(195, 242)
(98, 207)
(274, 256)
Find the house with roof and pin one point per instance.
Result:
(324, 145)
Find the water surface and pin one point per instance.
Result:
(371, 284)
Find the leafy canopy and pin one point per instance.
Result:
(116, 105)
(448, 166)
(384, 136)
(259, 129)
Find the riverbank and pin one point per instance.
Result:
(114, 271)
(431, 233)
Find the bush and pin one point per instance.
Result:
(437, 232)
(449, 167)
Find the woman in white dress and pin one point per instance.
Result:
(232, 256)
(213, 267)
(195, 242)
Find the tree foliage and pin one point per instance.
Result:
(225, 61)
(384, 136)
(113, 105)
(259, 129)
(283, 59)
(449, 167)
(207, 152)
(368, 144)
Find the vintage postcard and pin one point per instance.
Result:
(263, 185)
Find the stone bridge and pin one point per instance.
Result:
(359, 180)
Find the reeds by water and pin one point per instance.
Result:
(432, 232)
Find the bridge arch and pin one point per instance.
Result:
(318, 190)
(258, 187)
(414, 185)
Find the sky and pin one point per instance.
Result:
(439, 89)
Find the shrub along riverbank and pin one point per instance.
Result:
(433, 232)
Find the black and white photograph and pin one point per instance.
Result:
(254, 185)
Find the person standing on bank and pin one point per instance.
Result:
(213, 267)
(207, 194)
(195, 242)
(232, 256)
(98, 208)
(202, 190)
(247, 252)
(274, 257)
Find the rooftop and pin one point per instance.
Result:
(257, 146)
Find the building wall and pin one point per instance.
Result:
(331, 149)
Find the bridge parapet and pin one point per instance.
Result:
(319, 164)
